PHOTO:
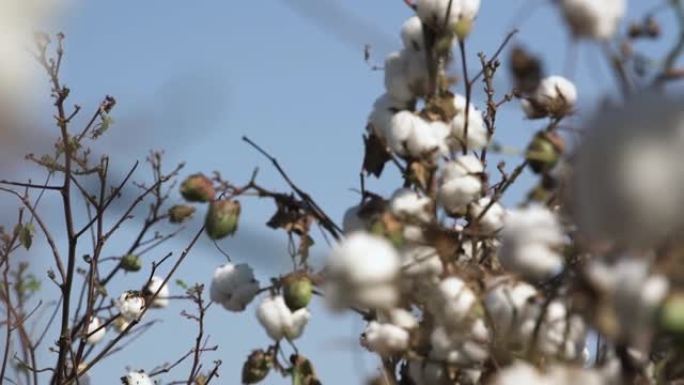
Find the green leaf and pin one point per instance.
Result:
(182, 284)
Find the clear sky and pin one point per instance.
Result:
(193, 77)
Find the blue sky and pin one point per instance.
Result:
(192, 79)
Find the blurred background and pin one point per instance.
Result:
(193, 79)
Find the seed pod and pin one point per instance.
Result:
(544, 151)
(222, 218)
(256, 367)
(297, 290)
(197, 188)
(131, 263)
(180, 213)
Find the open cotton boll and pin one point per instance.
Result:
(401, 128)
(555, 96)
(531, 238)
(506, 301)
(385, 338)
(362, 271)
(412, 206)
(380, 118)
(137, 378)
(461, 166)
(628, 181)
(477, 137)
(455, 194)
(593, 19)
(429, 141)
(433, 12)
(131, 305)
(279, 321)
(162, 299)
(94, 332)
(461, 346)
(452, 302)
(233, 286)
(351, 221)
(412, 34)
(493, 219)
(421, 261)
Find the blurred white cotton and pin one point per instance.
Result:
(628, 182)
(19, 20)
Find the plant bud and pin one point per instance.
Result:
(131, 263)
(197, 188)
(544, 151)
(180, 213)
(297, 290)
(256, 367)
(462, 28)
(672, 314)
(222, 218)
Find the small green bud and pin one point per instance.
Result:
(131, 263)
(462, 28)
(544, 151)
(180, 213)
(297, 290)
(197, 188)
(222, 218)
(672, 314)
(256, 367)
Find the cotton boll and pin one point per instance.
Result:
(401, 318)
(162, 299)
(429, 141)
(362, 271)
(478, 136)
(506, 301)
(433, 12)
(233, 286)
(627, 179)
(137, 378)
(279, 321)
(593, 19)
(555, 95)
(380, 118)
(386, 339)
(461, 347)
(493, 219)
(455, 194)
(352, 222)
(411, 206)
(453, 302)
(461, 166)
(94, 331)
(412, 34)
(131, 305)
(421, 261)
(402, 126)
(530, 239)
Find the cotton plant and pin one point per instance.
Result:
(454, 279)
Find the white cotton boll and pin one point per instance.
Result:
(410, 205)
(402, 126)
(279, 321)
(627, 178)
(556, 95)
(477, 137)
(94, 332)
(233, 286)
(413, 233)
(362, 270)
(386, 339)
(531, 238)
(397, 81)
(462, 347)
(420, 261)
(506, 302)
(429, 141)
(455, 194)
(593, 19)
(654, 291)
(453, 302)
(162, 299)
(402, 318)
(137, 378)
(433, 12)
(412, 34)
(493, 219)
(131, 305)
(380, 118)
(462, 166)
